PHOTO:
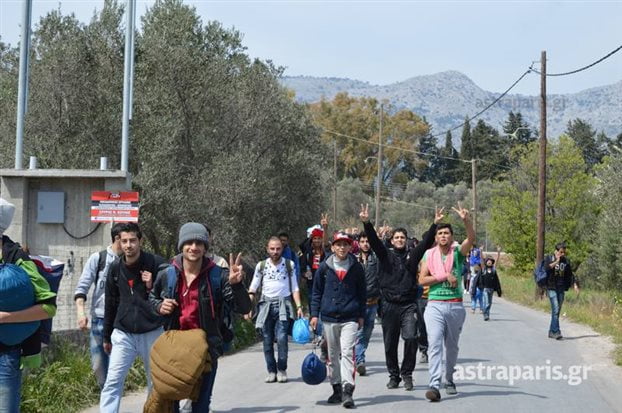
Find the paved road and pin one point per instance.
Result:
(515, 336)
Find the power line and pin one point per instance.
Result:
(584, 67)
(487, 107)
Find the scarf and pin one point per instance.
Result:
(437, 267)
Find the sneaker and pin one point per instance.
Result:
(393, 383)
(348, 402)
(433, 394)
(271, 378)
(281, 377)
(408, 383)
(335, 398)
(450, 388)
(486, 318)
(423, 358)
(556, 336)
(361, 370)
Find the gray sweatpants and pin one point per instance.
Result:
(443, 321)
(341, 338)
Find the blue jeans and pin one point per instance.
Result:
(556, 297)
(487, 301)
(125, 348)
(476, 299)
(205, 394)
(99, 358)
(271, 326)
(364, 334)
(10, 381)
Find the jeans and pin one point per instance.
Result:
(556, 297)
(10, 381)
(487, 301)
(364, 334)
(399, 318)
(271, 326)
(99, 358)
(125, 348)
(476, 299)
(444, 322)
(205, 394)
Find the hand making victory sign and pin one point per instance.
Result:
(236, 270)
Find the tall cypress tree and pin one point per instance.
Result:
(450, 171)
(467, 151)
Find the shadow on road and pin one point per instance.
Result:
(372, 401)
(279, 409)
(461, 360)
(494, 394)
(580, 337)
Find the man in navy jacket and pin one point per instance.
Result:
(339, 297)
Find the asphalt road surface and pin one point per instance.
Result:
(507, 364)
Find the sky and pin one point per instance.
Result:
(382, 42)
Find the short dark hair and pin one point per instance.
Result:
(209, 231)
(283, 234)
(115, 231)
(560, 245)
(400, 229)
(363, 234)
(443, 226)
(131, 227)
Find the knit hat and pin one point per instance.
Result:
(317, 233)
(192, 231)
(6, 215)
(310, 230)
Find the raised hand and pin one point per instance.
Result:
(364, 214)
(463, 213)
(438, 215)
(236, 270)
(324, 220)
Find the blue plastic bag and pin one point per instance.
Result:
(300, 332)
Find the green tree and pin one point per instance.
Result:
(467, 150)
(450, 163)
(571, 206)
(431, 164)
(9, 67)
(490, 151)
(584, 136)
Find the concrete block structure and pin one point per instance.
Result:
(73, 237)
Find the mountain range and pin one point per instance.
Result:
(446, 98)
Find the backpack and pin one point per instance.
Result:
(226, 328)
(288, 266)
(52, 270)
(101, 264)
(540, 275)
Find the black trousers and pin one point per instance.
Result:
(399, 319)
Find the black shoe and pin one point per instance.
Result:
(424, 357)
(335, 398)
(433, 394)
(556, 336)
(450, 388)
(393, 383)
(361, 370)
(348, 402)
(408, 383)
(486, 318)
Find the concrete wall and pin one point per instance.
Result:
(21, 188)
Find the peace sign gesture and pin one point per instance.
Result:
(463, 213)
(364, 214)
(438, 215)
(324, 220)
(236, 270)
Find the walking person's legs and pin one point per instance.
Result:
(121, 359)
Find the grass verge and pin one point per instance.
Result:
(601, 310)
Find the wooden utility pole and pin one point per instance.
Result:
(474, 186)
(335, 177)
(379, 183)
(542, 162)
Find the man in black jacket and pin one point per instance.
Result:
(131, 326)
(398, 287)
(193, 293)
(559, 280)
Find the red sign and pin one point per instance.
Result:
(107, 206)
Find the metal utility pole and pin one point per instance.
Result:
(542, 161)
(127, 84)
(22, 93)
(474, 186)
(379, 183)
(335, 176)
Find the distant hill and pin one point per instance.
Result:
(446, 98)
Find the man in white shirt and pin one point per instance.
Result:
(276, 278)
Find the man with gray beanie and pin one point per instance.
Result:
(44, 308)
(192, 293)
